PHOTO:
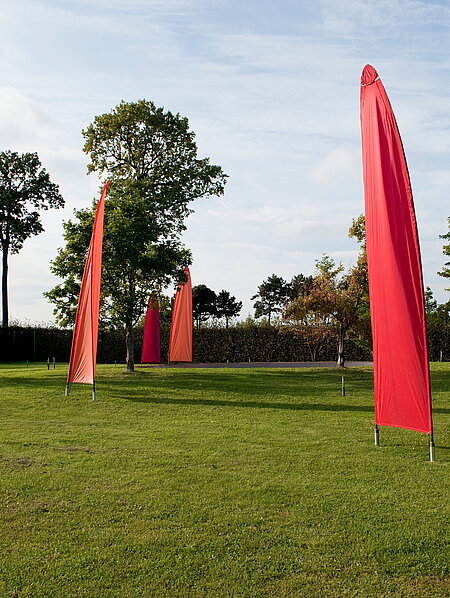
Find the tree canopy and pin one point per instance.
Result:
(25, 189)
(273, 294)
(203, 303)
(227, 307)
(150, 157)
(333, 300)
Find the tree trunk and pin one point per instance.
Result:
(129, 342)
(5, 314)
(341, 356)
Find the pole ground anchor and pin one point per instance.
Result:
(431, 445)
(377, 436)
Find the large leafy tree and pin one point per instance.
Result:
(25, 189)
(150, 156)
(227, 307)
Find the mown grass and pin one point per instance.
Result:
(217, 483)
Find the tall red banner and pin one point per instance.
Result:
(180, 348)
(83, 355)
(151, 346)
(400, 352)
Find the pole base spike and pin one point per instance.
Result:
(431, 446)
(377, 436)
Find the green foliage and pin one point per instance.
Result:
(246, 340)
(430, 302)
(272, 296)
(300, 286)
(150, 156)
(217, 484)
(333, 301)
(227, 307)
(207, 304)
(438, 315)
(445, 272)
(203, 303)
(25, 189)
(358, 230)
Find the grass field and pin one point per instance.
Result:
(217, 483)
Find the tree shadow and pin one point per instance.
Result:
(246, 404)
(289, 383)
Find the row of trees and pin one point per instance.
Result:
(150, 157)
(335, 299)
(207, 304)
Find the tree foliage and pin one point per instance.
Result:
(333, 301)
(207, 304)
(273, 294)
(437, 314)
(150, 157)
(25, 189)
(227, 307)
(203, 303)
(445, 272)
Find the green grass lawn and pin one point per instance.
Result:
(217, 483)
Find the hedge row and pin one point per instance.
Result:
(257, 343)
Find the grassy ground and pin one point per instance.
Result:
(217, 483)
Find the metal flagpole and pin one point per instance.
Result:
(377, 435)
(431, 445)
(94, 396)
(67, 389)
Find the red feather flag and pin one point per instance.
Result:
(83, 355)
(400, 351)
(151, 346)
(180, 348)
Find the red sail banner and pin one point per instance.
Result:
(151, 346)
(180, 348)
(400, 352)
(83, 354)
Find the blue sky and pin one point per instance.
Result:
(272, 93)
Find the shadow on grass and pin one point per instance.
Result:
(258, 404)
(251, 404)
(247, 382)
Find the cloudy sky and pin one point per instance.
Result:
(271, 90)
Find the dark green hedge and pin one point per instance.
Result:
(257, 343)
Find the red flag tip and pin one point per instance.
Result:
(369, 75)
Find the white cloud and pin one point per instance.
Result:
(338, 163)
(369, 19)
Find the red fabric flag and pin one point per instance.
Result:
(400, 352)
(83, 354)
(180, 348)
(151, 349)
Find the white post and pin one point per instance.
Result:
(431, 446)
(377, 435)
